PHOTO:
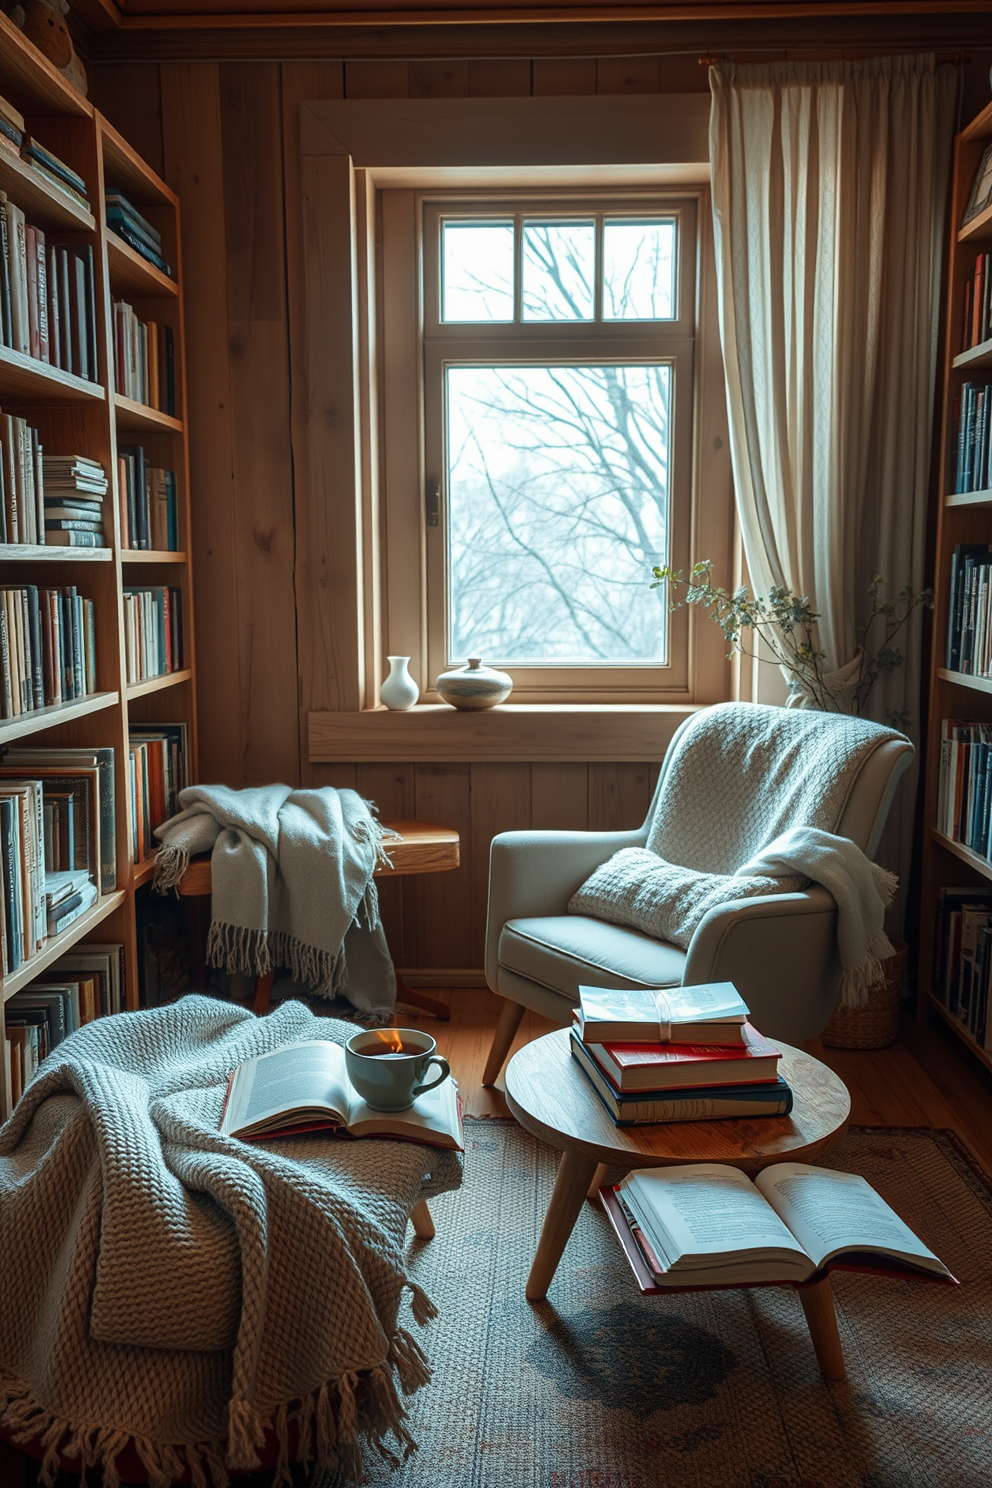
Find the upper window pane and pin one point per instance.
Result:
(477, 271)
(639, 270)
(559, 270)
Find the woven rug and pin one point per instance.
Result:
(599, 1387)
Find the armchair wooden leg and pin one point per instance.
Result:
(510, 1018)
(420, 1218)
(263, 993)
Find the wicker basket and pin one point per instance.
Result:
(877, 1023)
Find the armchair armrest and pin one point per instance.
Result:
(780, 950)
(536, 873)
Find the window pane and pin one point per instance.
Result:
(477, 271)
(559, 270)
(558, 482)
(639, 270)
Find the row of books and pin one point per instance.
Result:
(682, 1054)
(149, 508)
(15, 139)
(969, 616)
(973, 453)
(963, 958)
(86, 983)
(127, 222)
(47, 295)
(46, 499)
(159, 755)
(964, 784)
(144, 359)
(47, 648)
(36, 904)
(976, 320)
(153, 632)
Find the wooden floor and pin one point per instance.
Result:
(923, 1079)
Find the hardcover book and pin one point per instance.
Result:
(713, 1013)
(651, 1067)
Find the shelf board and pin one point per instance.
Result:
(124, 168)
(974, 860)
(30, 80)
(132, 415)
(963, 1033)
(59, 944)
(45, 718)
(142, 872)
(129, 271)
(46, 206)
(978, 227)
(964, 679)
(969, 498)
(27, 377)
(975, 356)
(155, 684)
(41, 553)
(144, 555)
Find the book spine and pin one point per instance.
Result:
(6, 312)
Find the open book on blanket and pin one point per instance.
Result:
(706, 1224)
(305, 1087)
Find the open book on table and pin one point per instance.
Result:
(706, 1224)
(305, 1087)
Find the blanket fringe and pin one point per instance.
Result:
(171, 863)
(235, 948)
(858, 982)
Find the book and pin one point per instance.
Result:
(690, 1103)
(305, 1087)
(66, 761)
(651, 1067)
(713, 1013)
(708, 1224)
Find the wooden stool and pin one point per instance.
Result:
(422, 847)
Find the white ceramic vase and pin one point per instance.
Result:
(399, 691)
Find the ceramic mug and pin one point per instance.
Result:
(387, 1066)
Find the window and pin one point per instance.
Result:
(558, 342)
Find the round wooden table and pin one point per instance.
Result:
(552, 1099)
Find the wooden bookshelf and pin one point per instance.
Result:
(76, 416)
(962, 517)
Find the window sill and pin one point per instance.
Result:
(515, 732)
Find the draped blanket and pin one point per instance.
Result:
(291, 885)
(171, 1288)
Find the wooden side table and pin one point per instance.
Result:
(552, 1099)
(421, 847)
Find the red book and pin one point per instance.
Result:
(650, 1067)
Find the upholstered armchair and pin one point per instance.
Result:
(780, 949)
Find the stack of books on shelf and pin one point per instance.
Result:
(12, 127)
(149, 509)
(74, 488)
(15, 139)
(153, 641)
(82, 985)
(78, 802)
(47, 648)
(159, 752)
(976, 321)
(964, 784)
(963, 958)
(144, 359)
(128, 223)
(969, 619)
(47, 295)
(973, 465)
(678, 1054)
(22, 483)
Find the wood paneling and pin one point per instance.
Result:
(130, 95)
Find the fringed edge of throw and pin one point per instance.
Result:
(235, 948)
(856, 982)
(171, 862)
(332, 1424)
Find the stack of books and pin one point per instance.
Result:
(153, 641)
(144, 360)
(54, 170)
(74, 488)
(127, 222)
(12, 124)
(47, 295)
(47, 648)
(149, 508)
(678, 1054)
(158, 756)
(85, 983)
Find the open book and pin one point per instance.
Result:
(706, 1224)
(305, 1087)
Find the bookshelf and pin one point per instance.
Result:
(963, 517)
(79, 417)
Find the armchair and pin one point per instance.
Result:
(780, 950)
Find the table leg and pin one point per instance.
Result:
(422, 1221)
(598, 1179)
(421, 1001)
(818, 1305)
(571, 1186)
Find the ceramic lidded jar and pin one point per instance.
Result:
(474, 686)
(399, 691)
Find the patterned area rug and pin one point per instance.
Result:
(599, 1387)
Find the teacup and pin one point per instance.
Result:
(387, 1066)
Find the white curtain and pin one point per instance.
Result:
(829, 182)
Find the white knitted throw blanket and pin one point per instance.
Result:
(749, 806)
(178, 1290)
(291, 885)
